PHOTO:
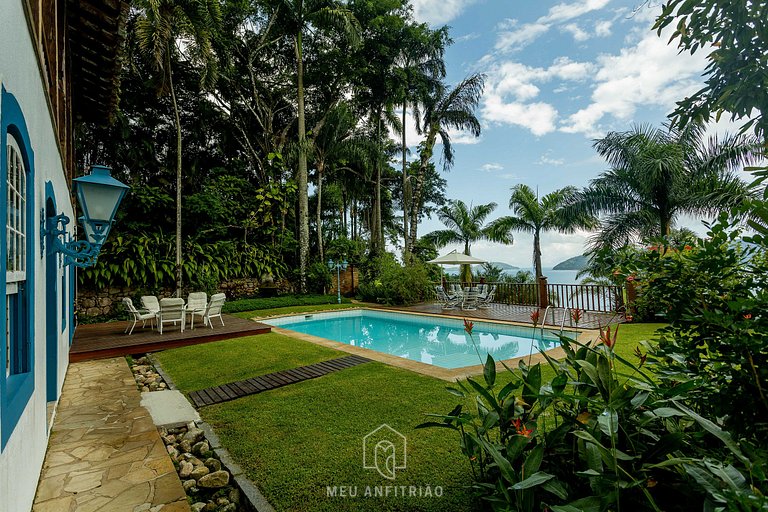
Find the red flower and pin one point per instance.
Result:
(687, 248)
(520, 428)
(748, 316)
(605, 336)
(630, 278)
(653, 248)
(576, 315)
(628, 318)
(535, 318)
(468, 326)
(641, 356)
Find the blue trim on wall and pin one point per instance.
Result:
(16, 390)
(72, 277)
(51, 304)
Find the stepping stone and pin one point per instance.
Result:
(169, 408)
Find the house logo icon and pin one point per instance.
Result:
(384, 449)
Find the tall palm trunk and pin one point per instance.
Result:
(302, 173)
(376, 228)
(320, 167)
(177, 118)
(426, 155)
(406, 196)
(537, 253)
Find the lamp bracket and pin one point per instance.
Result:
(80, 253)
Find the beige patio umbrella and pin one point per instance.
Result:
(457, 258)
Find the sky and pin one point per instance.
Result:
(558, 76)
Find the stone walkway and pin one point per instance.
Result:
(105, 453)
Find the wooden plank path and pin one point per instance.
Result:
(241, 388)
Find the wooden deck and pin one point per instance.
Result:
(241, 388)
(520, 314)
(97, 341)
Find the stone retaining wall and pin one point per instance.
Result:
(108, 301)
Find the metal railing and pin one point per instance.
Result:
(587, 297)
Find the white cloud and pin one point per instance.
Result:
(513, 36)
(438, 12)
(546, 159)
(512, 86)
(491, 167)
(538, 117)
(650, 73)
(578, 33)
(603, 28)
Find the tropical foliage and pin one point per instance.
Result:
(552, 212)
(465, 225)
(657, 175)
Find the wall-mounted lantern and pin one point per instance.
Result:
(99, 196)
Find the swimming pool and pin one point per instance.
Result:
(432, 340)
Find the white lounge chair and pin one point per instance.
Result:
(197, 303)
(136, 315)
(172, 310)
(444, 300)
(214, 309)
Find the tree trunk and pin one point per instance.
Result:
(302, 172)
(424, 157)
(177, 118)
(537, 253)
(320, 167)
(465, 272)
(376, 227)
(406, 196)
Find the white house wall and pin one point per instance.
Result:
(22, 458)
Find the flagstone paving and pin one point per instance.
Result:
(105, 453)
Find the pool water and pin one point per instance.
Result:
(432, 340)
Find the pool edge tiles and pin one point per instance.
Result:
(447, 374)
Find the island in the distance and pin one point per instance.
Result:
(575, 263)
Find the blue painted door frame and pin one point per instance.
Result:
(51, 305)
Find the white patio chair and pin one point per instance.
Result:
(172, 310)
(485, 302)
(444, 300)
(197, 302)
(214, 309)
(470, 299)
(136, 315)
(150, 303)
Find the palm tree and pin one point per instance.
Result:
(297, 16)
(550, 213)
(658, 174)
(159, 28)
(419, 63)
(465, 226)
(442, 110)
(335, 143)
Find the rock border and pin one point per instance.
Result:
(250, 492)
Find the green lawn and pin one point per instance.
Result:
(295, 441)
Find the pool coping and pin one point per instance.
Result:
(446, 374)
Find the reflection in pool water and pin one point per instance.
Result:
(431, 340)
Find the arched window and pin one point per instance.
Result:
(17, 341)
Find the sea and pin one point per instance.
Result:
(553, 276)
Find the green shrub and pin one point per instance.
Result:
(602, 435)
(319, 278)
(387, 282)
(238, 306)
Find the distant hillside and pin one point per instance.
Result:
(575, 263)
(504, 266)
